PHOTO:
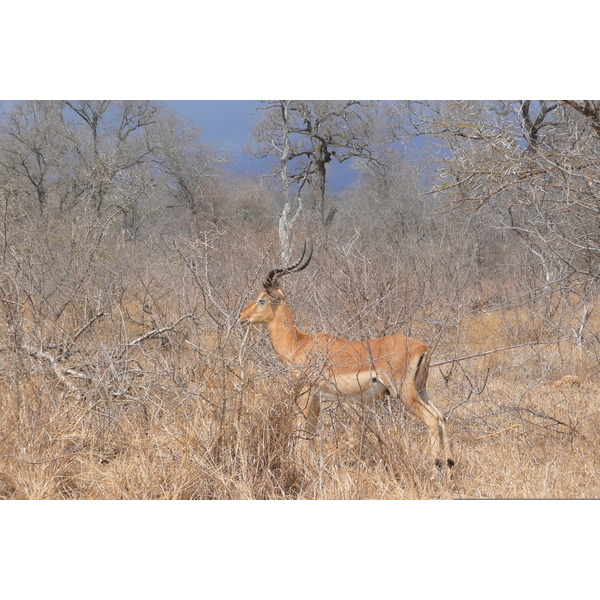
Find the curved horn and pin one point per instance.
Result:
(297, 268)
(273, 277)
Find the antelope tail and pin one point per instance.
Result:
(421, 376)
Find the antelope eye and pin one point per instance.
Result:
(262, 302)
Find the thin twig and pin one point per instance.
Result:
(58, 369)
(489, 435)
(153, 333)
(453, 360)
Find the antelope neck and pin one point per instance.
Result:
(284, 335)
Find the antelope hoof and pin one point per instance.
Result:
(440, 464)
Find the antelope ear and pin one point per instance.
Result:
(275, 294)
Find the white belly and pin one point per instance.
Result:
(360, 387)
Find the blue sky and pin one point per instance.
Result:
(227, 124)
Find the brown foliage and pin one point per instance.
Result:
(123, 372)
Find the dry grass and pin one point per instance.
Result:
(197, 423)
(128, 378)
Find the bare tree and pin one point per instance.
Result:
(532, 124)
(589, 109)
(98, 157)
(190, 167)
(288, 215)
(536, 163)
(110, 140)
(31, 149)
(306, 135)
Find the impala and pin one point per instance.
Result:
(360, 370)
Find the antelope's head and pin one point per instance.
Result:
(266, 305)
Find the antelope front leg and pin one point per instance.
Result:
(310, 404)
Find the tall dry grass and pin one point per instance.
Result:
(123, 374)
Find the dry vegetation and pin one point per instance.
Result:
(124, 374)
(126, 256)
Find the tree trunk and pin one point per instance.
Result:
(320, 157)
(286, 219)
